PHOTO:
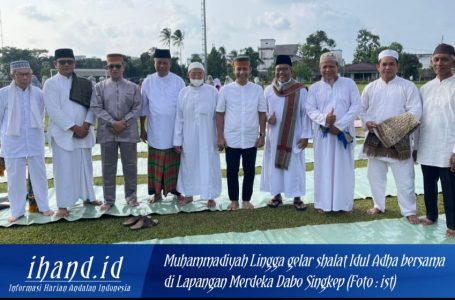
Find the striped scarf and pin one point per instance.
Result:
(291, 93)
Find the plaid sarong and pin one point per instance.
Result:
(163, 170)
(291, 92)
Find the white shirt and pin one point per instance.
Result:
(437, 135)
(382, 100)
(159, 105)
(30, 141)
(64, 114)
(241, 104)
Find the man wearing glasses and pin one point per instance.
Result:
(22, 139)
(67, 100)
(117, 102)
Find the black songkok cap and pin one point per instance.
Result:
(64, 52)
(444, 49)
(162, 53)
(283, 60)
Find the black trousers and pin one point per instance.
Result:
(431, 176)
(249, 170)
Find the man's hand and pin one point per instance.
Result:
(272, 119)
(178, 149)
(221, 143)
(331, 118)
(302, 143)
(118, 126)
(260, 141)
(144, 135)
(333, 130)
(370, 125)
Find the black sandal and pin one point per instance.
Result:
(299, 205)
(275, 202)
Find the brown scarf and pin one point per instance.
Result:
(291, 93)
(391, 137)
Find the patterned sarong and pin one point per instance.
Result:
(291, 92)
(163, 170)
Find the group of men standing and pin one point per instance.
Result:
(187, 126)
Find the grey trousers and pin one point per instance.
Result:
(109, 158)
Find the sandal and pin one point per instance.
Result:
(94, 202)
(275, 202)
(132, 220)
(299, 205)
(155, 199)
(132, 202)
(145, 222)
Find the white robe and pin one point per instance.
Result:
(291, 182)
(72, 162)
(159, 102)
(195, 131)
(27, 148)
(333, 164)
(382, 100)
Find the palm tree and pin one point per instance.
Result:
(177, 40)
(166, 35)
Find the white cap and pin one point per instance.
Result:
(195, 65)
(388, 52)
(19, 64)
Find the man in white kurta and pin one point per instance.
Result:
(277, 178)
(70, 136)
(436, 145)
(333, 104)
(195, 139)
(22, 139)
(160, 92)
(387, 97)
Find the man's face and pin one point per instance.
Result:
(242, 73)
(329, 70)
(65, 66)
(196, 74)
(442, 65)
(116, 70)
(387, 68)
(22, 77)
(283, 72)
(162, 66)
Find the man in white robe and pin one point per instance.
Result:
(333, 104)
(160, 92)
(22, 139)
(196, 141)
(67, 99)
(436, 143)
(283, 170)
(387, 97)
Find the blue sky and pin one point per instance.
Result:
(98, 27)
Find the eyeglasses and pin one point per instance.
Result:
(114, 67)
(23, 74)
(66, 62)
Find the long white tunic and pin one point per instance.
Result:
(195, 131)
(241, 104)
(30, 141)
(381, 101)
(437, 134)
(291, 182)
(72, 164)
(159, 104)
(333, 164)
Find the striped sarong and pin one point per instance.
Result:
(291, 93)
(163, 170)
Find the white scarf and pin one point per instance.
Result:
(14, 111)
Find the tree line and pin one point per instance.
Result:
(219, 59)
